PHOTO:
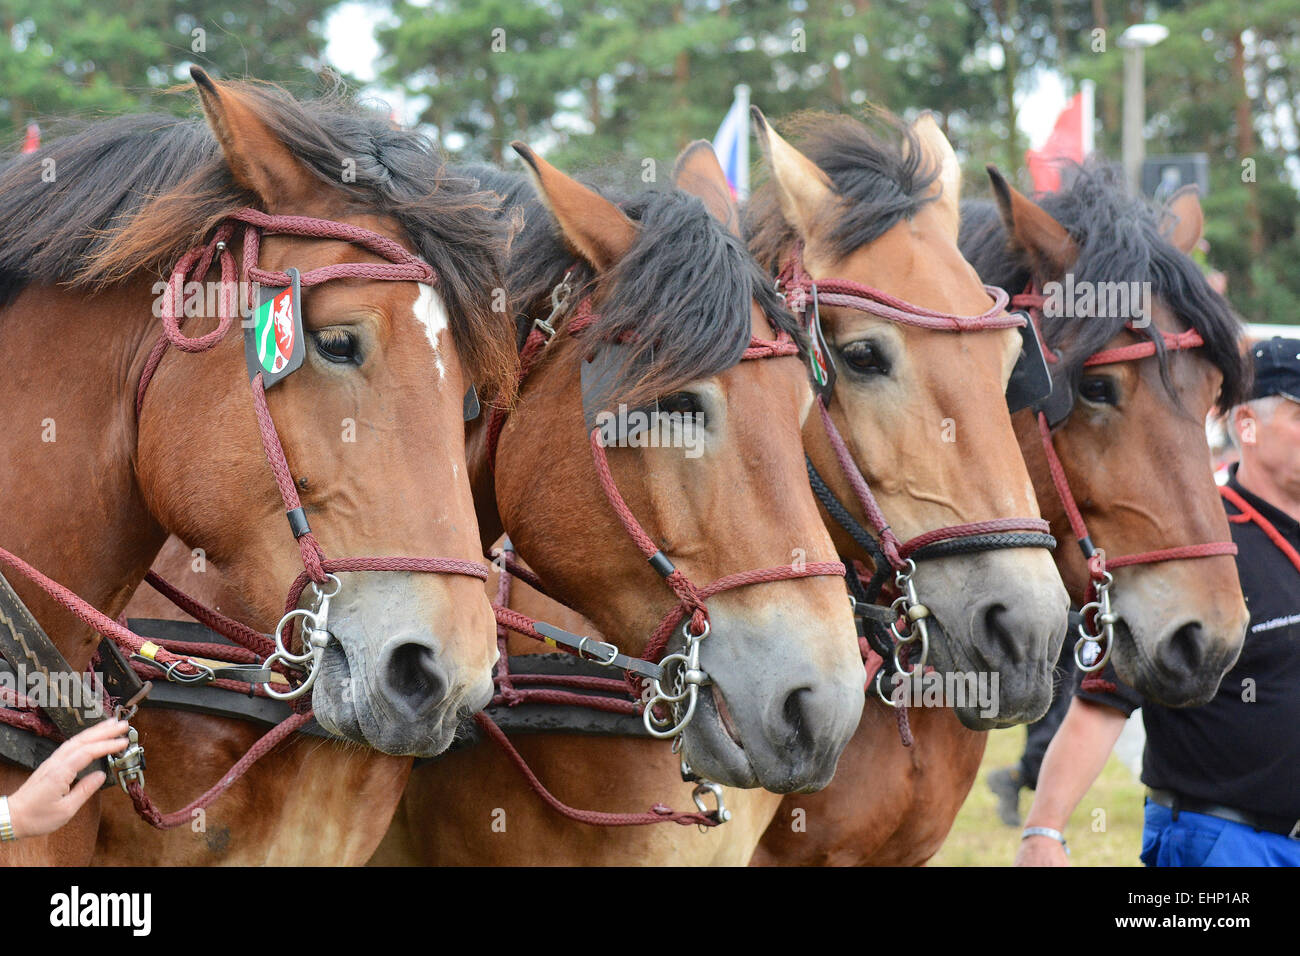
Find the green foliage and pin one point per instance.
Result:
(1197, 83)
(612, 82)
(89, 57)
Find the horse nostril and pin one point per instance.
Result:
(795, 720)
(999, 624)
(413, 678)
(1184, 652)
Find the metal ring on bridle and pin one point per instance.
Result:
(338, 585)
(283, 652)
(880, 691)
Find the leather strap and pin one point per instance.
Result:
(23, 641)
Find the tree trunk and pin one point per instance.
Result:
(681, 82)
(1106, 100)
(1005, 11)
(1245, 123)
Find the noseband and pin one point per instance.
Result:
(1097, 629)
(682, 671)
(804, 296)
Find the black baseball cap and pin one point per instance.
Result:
(1277, 368)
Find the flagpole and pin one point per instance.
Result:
(1088, 88)
(742, 175)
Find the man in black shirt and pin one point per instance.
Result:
(1223, 779)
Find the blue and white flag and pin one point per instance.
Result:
(731, 143)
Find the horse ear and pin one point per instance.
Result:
(935, 145)
(258, 159)
(592, 226)
(698, 172)
(803, 189)
(1183, 220)
(1033, 232)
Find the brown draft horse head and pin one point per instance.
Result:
(673, 286)
(1134, 446)
(371, 423)
(922, 411)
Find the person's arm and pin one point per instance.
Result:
(1072, 762)
(52, 795)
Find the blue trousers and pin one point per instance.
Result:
(1195, 839)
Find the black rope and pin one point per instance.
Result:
(984, 542)
(859, 534)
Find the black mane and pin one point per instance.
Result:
(1119, 239)
(878, 170)
(680, 297)
(130, 195)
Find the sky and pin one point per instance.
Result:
(351, 46)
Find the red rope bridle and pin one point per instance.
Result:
(402, 266)
(1097, 628)
(800, 290)
(804, 295)
(692, 599)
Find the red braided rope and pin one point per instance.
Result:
(149, 811)
(970, 530)
(1173, 341)
(1250, 513)
(657, 814)
(864, 298)
(246, 637)
(92, 617)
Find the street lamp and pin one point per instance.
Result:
(1134, 42)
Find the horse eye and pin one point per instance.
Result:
(681, 403)
(337, 345)
(1099, 390)
(864, 357)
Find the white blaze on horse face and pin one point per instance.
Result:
(432, 314)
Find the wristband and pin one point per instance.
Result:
(6, 822)
(1048, 832)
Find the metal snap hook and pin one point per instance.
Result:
(706, 788)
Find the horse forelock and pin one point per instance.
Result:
(879, 172)
(680, 298)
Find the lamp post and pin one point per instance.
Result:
(1134, 42)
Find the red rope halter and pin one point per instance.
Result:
(800, 288)
(193, 265)
(692, 599)
(1098, 560)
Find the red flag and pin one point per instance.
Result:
(1066, 144)
(33, 141)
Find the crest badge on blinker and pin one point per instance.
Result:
(820, 362)
(274, 341)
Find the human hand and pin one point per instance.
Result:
(52, 795)
(1041, 851)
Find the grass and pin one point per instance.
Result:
(1106, 829)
